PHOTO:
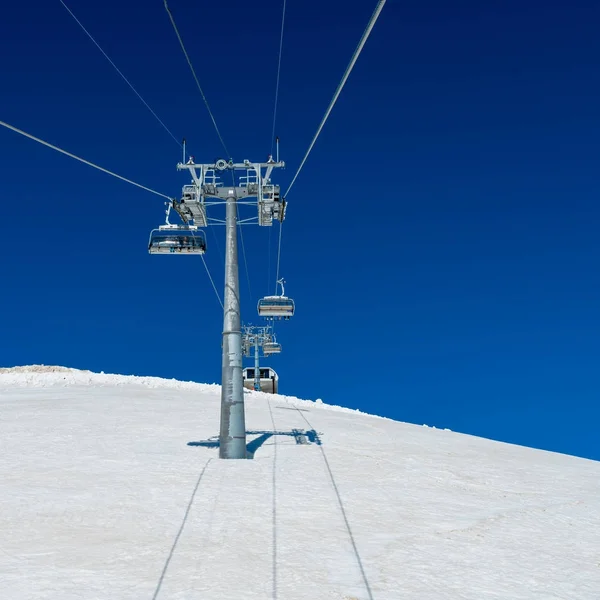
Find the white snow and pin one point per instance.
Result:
(103, 498)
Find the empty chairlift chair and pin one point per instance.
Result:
(175, 239)
(276, 307)
(271, 348)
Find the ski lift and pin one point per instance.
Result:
(276, 307)
(271, 348)
(177, 239)
(191, 207)
(269, 380)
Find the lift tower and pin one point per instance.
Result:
(251, 187)
(257, 339)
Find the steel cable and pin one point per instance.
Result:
(278, 77)
(85, 162)
(196, 78)
(119, 72)
(211, 281)
(340, 86)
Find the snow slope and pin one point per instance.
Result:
(103, 497)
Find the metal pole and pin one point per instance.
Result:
(232, 438)
(256, 365)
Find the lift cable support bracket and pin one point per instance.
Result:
(208, 189)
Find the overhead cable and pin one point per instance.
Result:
(349, 68)
(85, 162)
(196, 78)
(211, 281)
(245, 261)
(269, 259)
(278, 76)
(278, 255)
(120, 73)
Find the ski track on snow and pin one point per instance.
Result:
(104, 498)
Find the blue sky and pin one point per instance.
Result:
(441, 242)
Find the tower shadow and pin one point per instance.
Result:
(301, 437)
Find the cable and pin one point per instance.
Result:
(278, 255)
(338, 91)
(85, 162)
(195, 77)
(278, 74)
(221, 257)
(211, 280)
(114, 175)
(349, 68)
(193, 233)
(245, 261)
(269, 260)
(273, 141)
(153, 113)
(119, 72)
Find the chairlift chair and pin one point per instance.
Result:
(177, 239)
(276, 307)
(271, 348)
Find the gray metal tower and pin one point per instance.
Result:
(208, 189)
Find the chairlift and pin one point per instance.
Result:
(271, 348)
(177, 239)
(276, 307)
(191, 207)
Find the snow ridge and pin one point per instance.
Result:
(44, 376)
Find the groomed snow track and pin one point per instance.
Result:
(113, 489)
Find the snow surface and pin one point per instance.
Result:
(103, 498)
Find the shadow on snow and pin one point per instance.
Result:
(301, 437)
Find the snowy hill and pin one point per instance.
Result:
(111, 489)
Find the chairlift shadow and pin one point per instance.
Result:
(302, 437)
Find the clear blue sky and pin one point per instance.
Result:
(441, 243)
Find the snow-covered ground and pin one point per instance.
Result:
(111, 489)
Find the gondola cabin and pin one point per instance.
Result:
(269, 380)
(276, 307)
(173, 239)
